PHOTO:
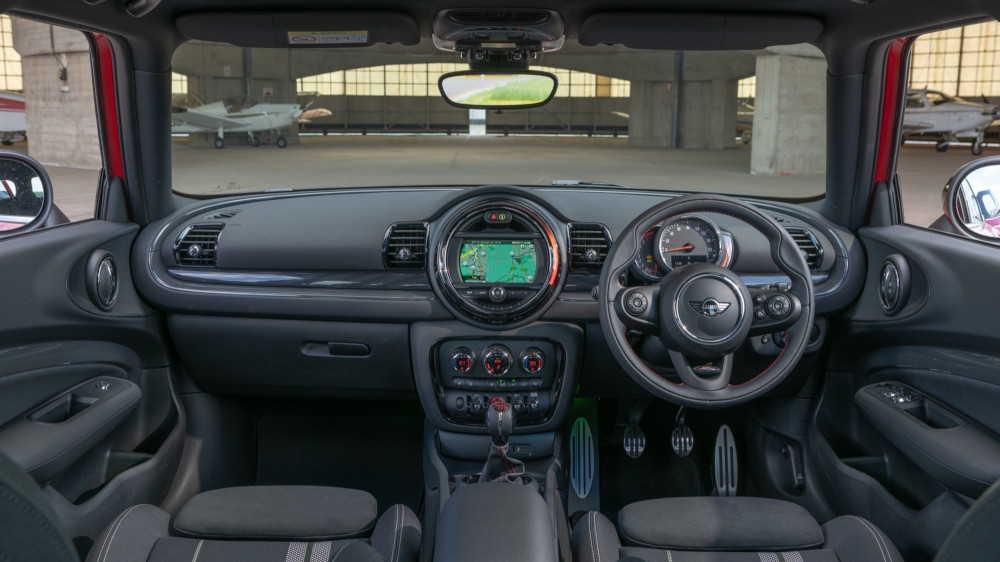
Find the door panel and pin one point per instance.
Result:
(86, 395)
(912, 453)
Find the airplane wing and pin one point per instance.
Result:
(197, 118)
(915, 126)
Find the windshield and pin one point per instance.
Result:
(749, 122)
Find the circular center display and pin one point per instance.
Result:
(688, 240)
(497, 261)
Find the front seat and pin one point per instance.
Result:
(728, 529)
(246, 524)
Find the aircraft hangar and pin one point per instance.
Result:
(616, 93)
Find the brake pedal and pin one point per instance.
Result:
(726, 467)
(682, 439)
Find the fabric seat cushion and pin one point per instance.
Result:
(303, 513)
(719, 523)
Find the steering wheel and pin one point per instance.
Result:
(703, 312)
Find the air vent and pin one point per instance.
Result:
(405, 246)
(498, 17)
(588, 245)
(808, 245)
(223, 214)
(197, 244)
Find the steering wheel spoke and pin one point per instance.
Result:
(637, 307)
(773, 310)
(704, 375)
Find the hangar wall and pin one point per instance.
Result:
(60, 114)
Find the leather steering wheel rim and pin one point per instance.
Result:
(786, 256)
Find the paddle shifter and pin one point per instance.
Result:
(500, 423)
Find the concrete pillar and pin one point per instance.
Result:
(61, 125)
(650, 114)
(789, 120)
(708, 114)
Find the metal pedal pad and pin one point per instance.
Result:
(582, 458)
(682, 440)
(726, 466)
(634, 442)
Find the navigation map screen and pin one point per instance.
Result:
(497, 261)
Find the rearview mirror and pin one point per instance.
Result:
(506, 89)
(25, 193)
(972, 199)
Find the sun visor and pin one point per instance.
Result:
(300, 29)
(697, 32)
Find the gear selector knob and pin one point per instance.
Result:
(500, 421)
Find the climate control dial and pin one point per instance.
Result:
(497, 360)
(463, 360)
(532, 360)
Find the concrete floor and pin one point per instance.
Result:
(435, 160)
(396, 160)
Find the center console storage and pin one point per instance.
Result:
(495, 522)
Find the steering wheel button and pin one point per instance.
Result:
(636, 303)
(759, 314)
(779, 306)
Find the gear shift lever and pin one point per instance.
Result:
(500, 423)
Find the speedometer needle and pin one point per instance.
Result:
(685, 247)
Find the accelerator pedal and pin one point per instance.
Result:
(726, 467)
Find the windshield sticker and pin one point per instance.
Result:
(326, 37)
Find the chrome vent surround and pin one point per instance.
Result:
(808, 245)
(197, 245)
(405, 246)
(498, 17)
(589, 244)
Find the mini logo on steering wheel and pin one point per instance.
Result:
(710, 307)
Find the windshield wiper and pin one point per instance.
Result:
(571, 183)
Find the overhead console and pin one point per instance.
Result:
(498, 262)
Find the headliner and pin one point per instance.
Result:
(849, 26)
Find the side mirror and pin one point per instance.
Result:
(504, 89)
(25, 193)
(972, 199)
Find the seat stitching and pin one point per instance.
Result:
(595, 550)
(878, 541)
(197, 551)
(884, 550)
(670, 557)
(336, 556)
(880, 536)
(111, 537)
(397, 536)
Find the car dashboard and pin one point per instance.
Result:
(460, 294)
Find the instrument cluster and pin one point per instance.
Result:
(680, 241)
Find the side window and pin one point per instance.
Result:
(47, 108)
(958, 71)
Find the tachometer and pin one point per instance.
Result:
(686, 240)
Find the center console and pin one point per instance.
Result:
(460, 369)
(524, 373)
